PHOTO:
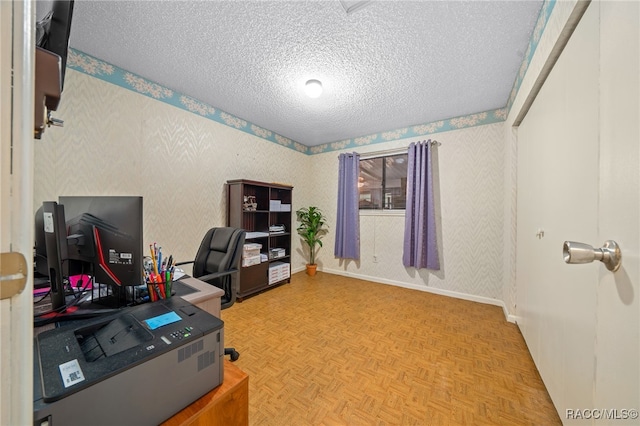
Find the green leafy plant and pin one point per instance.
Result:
(312, 229)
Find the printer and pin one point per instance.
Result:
(138, 366)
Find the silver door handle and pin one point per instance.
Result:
(609, 254)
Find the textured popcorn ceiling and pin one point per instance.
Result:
(387, 65)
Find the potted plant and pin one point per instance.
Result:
(311, 229)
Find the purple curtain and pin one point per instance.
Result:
(420, 246)
(348, 217)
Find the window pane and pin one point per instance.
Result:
(383, 182)
(395, 192)
(370, 183)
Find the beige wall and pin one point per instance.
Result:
(469, 192)
(118, 142)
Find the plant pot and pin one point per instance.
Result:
(311, 269)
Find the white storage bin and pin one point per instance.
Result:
(279, 271)
(251, 260)
(251, 249)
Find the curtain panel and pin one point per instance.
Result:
(420, 243)
(348, 217)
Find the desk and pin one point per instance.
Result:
(207, 297)
(228, 404)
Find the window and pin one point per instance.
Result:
(383, 183)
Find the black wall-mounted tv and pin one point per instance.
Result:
(52, 31)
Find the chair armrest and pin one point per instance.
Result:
(215, 275)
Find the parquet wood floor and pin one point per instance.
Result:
(332, 350)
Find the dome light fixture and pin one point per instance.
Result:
(313, 88)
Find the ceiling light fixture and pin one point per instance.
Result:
(313, 88)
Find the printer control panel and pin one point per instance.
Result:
(182, 333)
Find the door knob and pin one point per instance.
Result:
(609, 254)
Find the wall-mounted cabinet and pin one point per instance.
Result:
(264, 210)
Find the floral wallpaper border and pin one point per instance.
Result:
(97, 68)
(538, 30)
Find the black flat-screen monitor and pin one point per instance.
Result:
(96, 235)
(55, 241)
(107, 231)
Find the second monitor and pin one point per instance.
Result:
(107, 232)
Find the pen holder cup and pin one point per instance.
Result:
(159, 290)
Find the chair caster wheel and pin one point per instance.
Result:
(232, 353)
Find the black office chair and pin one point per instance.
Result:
(217, 262)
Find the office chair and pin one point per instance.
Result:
(217, 262)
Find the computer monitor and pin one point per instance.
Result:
(96, 235)
(107, 231)
(55, 239)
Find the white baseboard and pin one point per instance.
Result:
(439, 291)
(298, 269)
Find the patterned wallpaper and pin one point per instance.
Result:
(469, 188)
(124, 135)
(95, 67)
(118, 142)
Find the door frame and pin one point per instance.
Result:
(16, 204)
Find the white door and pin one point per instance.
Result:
(16, 212)
(579, 180)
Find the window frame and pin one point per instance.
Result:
(383, 211)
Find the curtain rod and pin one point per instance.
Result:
(389, 152)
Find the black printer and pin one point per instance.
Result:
(138, 366)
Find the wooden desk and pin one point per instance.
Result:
(226, 405)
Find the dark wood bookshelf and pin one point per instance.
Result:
(256, 207)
